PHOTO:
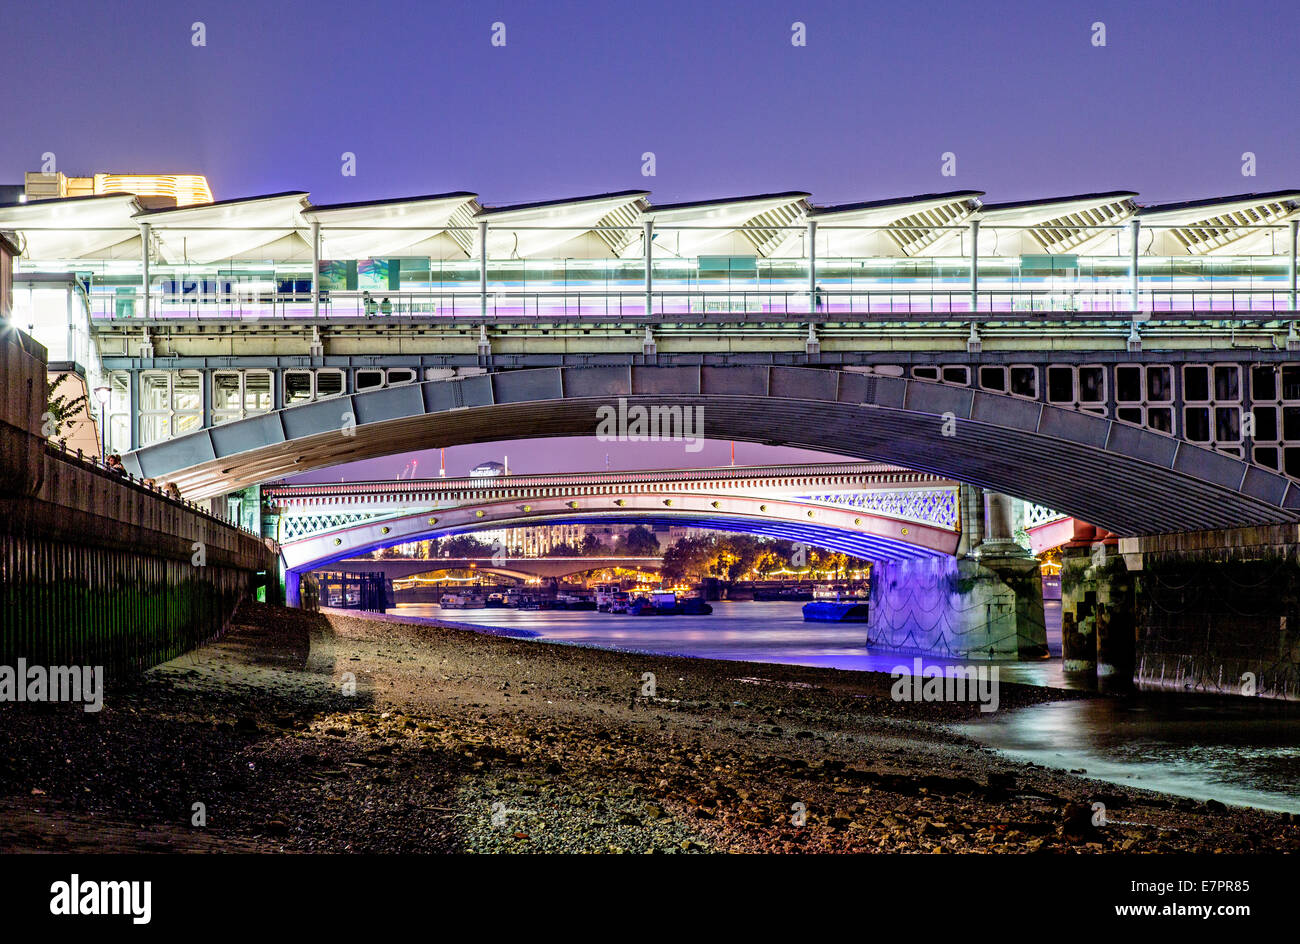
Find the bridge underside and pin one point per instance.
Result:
(1123, 478)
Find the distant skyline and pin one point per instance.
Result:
(1015, 90)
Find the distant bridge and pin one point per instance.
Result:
(869, 510)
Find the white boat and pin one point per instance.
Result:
(605, 593)
(461, 601)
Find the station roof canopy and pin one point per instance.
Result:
(1199, 227)
(276, 227)
(252, 228)
(577, 224)
(575, 220)
(757, 222)
(438, 225)
(94, 227)
(1063, 224)
(916, 225)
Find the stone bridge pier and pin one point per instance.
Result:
(985, 603)
(1205, 612)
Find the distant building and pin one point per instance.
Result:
(154, 191)
(536, 541)
(486, 469)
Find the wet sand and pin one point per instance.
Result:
(456, 741)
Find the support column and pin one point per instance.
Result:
(315, 268)
(999, 532)
(146, 237)
(482, 267)
(133, 406)
(971, 507)
(812, 267)
(1295, 258)
(647, 237)
(292, 588)
(974, 266)
(1133, 285)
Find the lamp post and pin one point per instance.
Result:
(102, 394)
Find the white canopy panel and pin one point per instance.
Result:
(213, 232)
(98, 227)
(916, 226)
(762, 216)
(416, 222)
(572, 218)
(1076, 224)
(1233, 224)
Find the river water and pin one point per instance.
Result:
(1238, 752)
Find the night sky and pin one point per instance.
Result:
(1016, 90)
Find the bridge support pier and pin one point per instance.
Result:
(1217, 612)
(1098, 616)
(986, 604)
(1207, 612)
(959, 607)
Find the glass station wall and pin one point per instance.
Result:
(405, 286)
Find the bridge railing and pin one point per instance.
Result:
(1021, 305)
(819, 474)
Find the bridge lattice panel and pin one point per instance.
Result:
(925, 506)
(300, 527)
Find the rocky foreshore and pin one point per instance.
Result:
(329, 732)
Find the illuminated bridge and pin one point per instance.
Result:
(1130, 365)
(872, 511)
(1080, 343)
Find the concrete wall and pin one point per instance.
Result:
(22, 401)
(95, 568)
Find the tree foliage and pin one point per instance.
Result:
(62, 410)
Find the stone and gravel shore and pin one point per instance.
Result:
(330, 732)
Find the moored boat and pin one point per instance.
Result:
(461, 601)
(835, 611)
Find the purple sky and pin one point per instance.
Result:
(1015, 89)
(565, 455)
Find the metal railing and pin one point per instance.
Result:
(759, 304)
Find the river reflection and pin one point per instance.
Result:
(1236, 751)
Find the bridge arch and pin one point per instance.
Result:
(1123, 478)
(852, 531)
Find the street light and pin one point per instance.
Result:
(102, 394)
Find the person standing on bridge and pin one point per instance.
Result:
(817, 297)
(368, 304)
(385, 307)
